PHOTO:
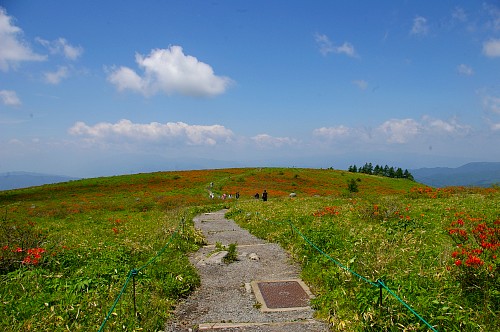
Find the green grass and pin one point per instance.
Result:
(79, 241)
(94, 232)
(403, 240)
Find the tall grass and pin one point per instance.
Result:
(403, 240)
(78, 242)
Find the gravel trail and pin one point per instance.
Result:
(225, 301)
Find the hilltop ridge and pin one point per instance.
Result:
(476, 174)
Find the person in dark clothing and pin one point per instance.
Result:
(264, 196)
(256, 196)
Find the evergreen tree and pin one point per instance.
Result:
(407, 175)
(367, 168)
(386, 170)
(392, 172)
(399, 173)
(363, 168)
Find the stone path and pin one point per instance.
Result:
(225, 301)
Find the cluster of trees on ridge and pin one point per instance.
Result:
(386, 171)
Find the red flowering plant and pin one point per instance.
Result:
(475, 256)
(20, 245)
(327, 211)
(33, 256)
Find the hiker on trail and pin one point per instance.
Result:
(237, 195)
(256, 196)
(264, 196)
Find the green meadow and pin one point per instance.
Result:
(67, 250)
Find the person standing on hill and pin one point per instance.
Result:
(264, 196)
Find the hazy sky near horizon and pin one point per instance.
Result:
(94, 88)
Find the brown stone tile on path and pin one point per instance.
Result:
(282, 295)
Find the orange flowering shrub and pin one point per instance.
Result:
(327, 211)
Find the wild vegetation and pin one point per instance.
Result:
(436, 249)
(67, 249)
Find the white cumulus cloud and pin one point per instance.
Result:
(168, 133)
(419, 26)
(326, 46)
(172, 72)
(332, 133)
(494, 19)
(61, 46)
(347, 49)
(465, 70)
(491, 103)
(12, 48)
(445, 127)
(400, 130)
(394, 131)
(9, 98)
(265, 140)
(57, 76)
(459, 14)
(491, 48)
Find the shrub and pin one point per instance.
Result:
(21, 245)
(475, 260)
(352, 186)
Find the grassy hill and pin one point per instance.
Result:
(69, 249)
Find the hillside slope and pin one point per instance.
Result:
(246, 181)
(67, 249)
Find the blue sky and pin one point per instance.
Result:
(96, 88)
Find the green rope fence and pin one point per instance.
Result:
(379, 283)
(132, 273)
(330, 258)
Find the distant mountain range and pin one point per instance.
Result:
(15, 180)
(477, 174)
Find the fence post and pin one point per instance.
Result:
(134, 273)
(379, 282)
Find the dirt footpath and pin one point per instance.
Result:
(226, 301)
